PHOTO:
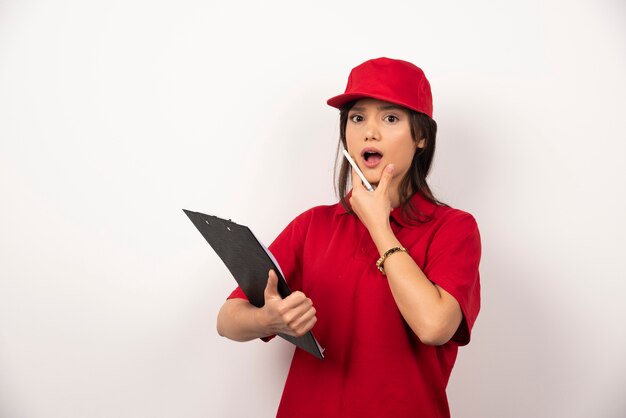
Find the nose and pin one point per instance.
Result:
(371, 131)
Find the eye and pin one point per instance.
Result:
(391, 118)
(356, 118)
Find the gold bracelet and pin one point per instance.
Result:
(381, 261)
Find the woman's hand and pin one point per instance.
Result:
(294, 315)
(373, 208)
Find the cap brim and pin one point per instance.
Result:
(343, 99)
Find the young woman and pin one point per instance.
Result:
(387, 279)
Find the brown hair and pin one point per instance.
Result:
(422, 126)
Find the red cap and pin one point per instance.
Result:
(391, 80)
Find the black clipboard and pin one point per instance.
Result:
(248, 260)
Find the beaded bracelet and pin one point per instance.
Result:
(381, 261)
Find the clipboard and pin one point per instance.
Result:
(249, 261)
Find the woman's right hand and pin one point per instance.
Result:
(294, 315)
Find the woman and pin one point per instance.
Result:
(393, 273)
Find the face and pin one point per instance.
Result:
(379, 133)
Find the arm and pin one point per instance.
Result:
(431, 312)
(240, 321)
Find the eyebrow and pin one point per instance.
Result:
(384, 107)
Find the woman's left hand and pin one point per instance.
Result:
(373, 208)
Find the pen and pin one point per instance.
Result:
(366, 183)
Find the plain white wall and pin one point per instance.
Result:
(115, 115)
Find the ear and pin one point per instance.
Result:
(421, 143)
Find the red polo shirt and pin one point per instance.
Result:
(374, 366)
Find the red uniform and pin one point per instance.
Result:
(374, 366)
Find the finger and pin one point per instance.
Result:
(271, 289)
(290, 315)
(297, 300)
(300, 331)
(385, 178)
(303, 319)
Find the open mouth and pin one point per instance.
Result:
(369, 154)
(371, 157)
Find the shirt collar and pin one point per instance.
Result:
(424, 210)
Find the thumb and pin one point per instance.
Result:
(386, 177)
(271, 289)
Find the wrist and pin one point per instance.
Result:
(381, 231)
(261, 322)
(384, 238)
(380, 264)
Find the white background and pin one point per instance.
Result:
(115, 115)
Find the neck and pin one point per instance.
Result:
(394, 192)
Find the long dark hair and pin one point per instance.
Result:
(422, 126)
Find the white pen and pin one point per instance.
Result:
(366, 183)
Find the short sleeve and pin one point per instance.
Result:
(452, 262)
